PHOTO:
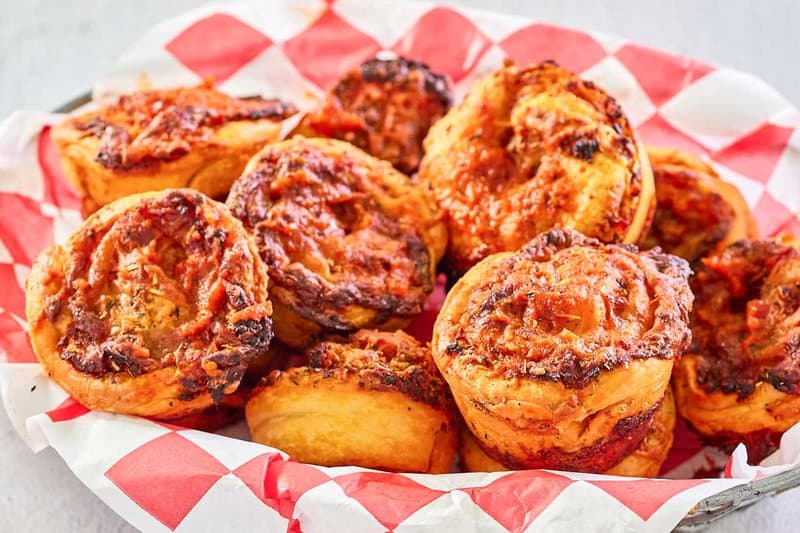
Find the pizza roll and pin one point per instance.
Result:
(697, 213)
(154, 307)
(158, 139)
(559, 354)
(644, 461)
(374, 400)
(351, 243)
(740, 381)
(385, 107)
(530, 149)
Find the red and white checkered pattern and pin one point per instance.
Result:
(161, 477)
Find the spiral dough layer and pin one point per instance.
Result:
(350, 242)
(154, 307)
(740, 381)
(530, 149)
(559, 354)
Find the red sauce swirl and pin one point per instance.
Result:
(172, 281)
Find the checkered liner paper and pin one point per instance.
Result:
(160, 477)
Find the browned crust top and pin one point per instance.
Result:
(376, 361)
(334, 233)
(144, 128)
(745, 322)
(526, 138)
(172, 281)
(565, 307)
(385, 106)
(403, 72)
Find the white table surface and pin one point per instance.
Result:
(52, 50)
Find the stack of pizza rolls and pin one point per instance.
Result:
(559, 355)
(568, 246)
(740, 381)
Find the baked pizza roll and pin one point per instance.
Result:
(154, 307)
(373, 400)
(559, 354)
(644, 461)
(385, 107)
(740, 381)
(697, 212)
(151, 140)
(350, 242)
(530, 149)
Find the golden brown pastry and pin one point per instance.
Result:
(644, 461)
(697, 212)
(385, 107)
(350, 242)
(559, 354)
(530, 149)
(374, 400)
(154, 307)
(151, 140)
(740, 380)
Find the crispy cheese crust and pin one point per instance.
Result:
(559, 354)
(740, 381)
(350, 242)
(530, 149)
(374, 400)
(644, 461)
(697, 212)
(154, 307)
(384, 107)
(151, 140)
